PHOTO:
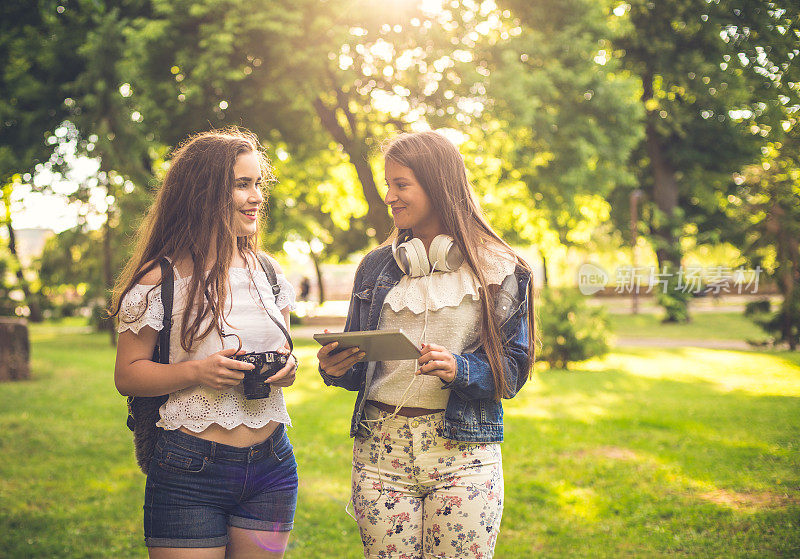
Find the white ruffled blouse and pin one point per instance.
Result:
(197, 407)
(452, 301)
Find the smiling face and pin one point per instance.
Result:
(411, 206)
(247, 195)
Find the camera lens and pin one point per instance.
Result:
(256, 385)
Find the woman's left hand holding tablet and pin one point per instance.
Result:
(437, 361)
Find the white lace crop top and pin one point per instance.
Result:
(454, 311)
(197, 407)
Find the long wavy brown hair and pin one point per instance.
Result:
(193, 211)
(439, 168)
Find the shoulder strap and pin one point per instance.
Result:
(266, 265)
(143, 411)
(161, 351)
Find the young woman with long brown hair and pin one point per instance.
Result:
(222, 481)
(427, 477)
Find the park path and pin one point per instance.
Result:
(306, 331)
(736, 345)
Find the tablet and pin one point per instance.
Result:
(379, 345)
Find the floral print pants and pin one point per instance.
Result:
(418, 495)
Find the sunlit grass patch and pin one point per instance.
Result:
(750, 501)
(756, 373)
(703, 325)
(670, 452)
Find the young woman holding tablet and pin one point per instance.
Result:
(427, 477)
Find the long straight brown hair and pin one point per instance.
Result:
(439, 168)
(193, 211)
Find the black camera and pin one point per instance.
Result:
(267, 363)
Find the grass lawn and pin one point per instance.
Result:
(704, 325)
(645, 453)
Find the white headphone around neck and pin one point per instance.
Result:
(410, 256)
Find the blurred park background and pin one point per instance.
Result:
(643, 156)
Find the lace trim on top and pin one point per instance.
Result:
(287, 297)
(448, 289)
(142, 305)
(197, 407)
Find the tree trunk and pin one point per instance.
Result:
(15, 350)
(792, 298)
(665, 196)
(376, 213)
(318, 270)
(544, 269)
(358, 153)
(787, 329)
(665, 185)
(788, 275)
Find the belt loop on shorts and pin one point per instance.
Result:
(271, 440)
(213, 449)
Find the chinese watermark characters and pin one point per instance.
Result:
(696, 280)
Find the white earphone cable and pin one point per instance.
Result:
(403, 400)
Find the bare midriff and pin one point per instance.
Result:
(241, 435)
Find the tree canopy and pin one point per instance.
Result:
(561, 108)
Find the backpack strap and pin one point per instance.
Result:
(268, 268)
(143, 406)
(161, 351)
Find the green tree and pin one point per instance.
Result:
(714, 77)
(316, 202)
(37, 57)
(78, 264)
(766, 207)
(60, 87)
(109, 128)
(569, 113)
(315, 77)
(216, 63)
(71, 266)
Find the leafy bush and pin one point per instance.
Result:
(71, 308)
(570, 330)
(757, 308)
(782, 326)
(674, 300)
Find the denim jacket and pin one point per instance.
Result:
(472, 413)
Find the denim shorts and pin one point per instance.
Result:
(197, 488)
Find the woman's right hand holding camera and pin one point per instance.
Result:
(219, 371)
(337, 364)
